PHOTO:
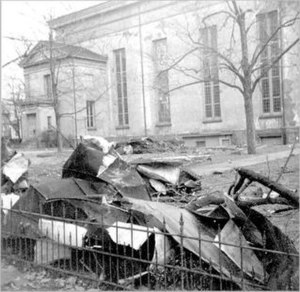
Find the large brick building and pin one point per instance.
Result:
(152, 55)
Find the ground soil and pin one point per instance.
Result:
(48, 164)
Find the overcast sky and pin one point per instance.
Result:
(27, 19)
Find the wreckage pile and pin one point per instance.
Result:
(100, 219)
(14, 174)
(148, 145)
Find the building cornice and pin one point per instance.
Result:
(89, 12)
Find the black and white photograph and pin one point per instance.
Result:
(150, 145)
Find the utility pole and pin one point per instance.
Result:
(142, 70)
(74, 101)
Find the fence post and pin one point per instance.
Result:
(165, 247)
(117, 251)
(221, 277)
(181, 223)
(76, 240)
(241, 251)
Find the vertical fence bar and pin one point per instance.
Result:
(110, 261)
(11, 239)
(52, 230)
(70, 244)
(131, 239)
(140, 266)
(58, 247)
(19, 235)
(117, 252)
(200, 254)
(47, 245)
(89, 254)
(242, 259)
(157, 283)
(181, 223)
(125, 262)
(27, 251)
(220, 264)
(76, 241)
(64, 234)
(165, 250)
(148, 259)
(103, 243)
(210, 275)
(41, 241)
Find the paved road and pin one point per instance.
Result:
(243, 162)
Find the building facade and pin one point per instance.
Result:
(168, 68)
(80, 76)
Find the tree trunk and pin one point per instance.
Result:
(58, 135)
(250, 126)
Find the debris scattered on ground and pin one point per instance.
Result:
(104, 205)
(148, 145)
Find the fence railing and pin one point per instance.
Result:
(128, 255)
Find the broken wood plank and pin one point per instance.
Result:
(286, 193)
(257, 202)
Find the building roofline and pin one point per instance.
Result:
(67, 52)
(89, 12)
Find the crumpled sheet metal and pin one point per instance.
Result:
(173, 216)
(135, 236)
(62, 232)
(71, 193)
(231, 234)
(167, 174)
(86, 162)
(16, 167)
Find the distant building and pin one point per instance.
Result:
(81, 76)
(142, 38)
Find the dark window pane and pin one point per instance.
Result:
(266, 105)
(121, 82)
(216, 94)
(273, 18)
(119, 90)
(265, 88)
(208, 111)
(123, 61)
(207, 93)
(276, 104)
(120, 119)
(275, 70)
(126, 119)
(217, 110)
(90, 111)
(276, 86)
(118, 63)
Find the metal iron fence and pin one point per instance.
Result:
(126, 256)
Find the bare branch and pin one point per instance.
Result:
(232, 86)
(288, 23)
(268, 67)
(179, 60)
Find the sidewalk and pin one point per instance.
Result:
(199, 169)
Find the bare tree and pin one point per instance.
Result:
(248, 70)
(15, 101)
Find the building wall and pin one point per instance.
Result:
(89, 84)
(170, 19)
